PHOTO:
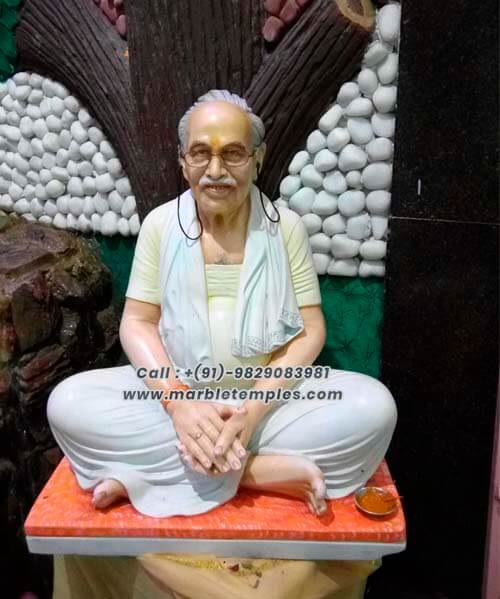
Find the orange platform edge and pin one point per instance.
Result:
(63, 509)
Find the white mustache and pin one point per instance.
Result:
(228, 181)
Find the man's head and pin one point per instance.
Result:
(221, 149)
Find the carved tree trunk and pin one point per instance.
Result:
(180, 49)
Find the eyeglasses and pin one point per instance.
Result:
(230, 157)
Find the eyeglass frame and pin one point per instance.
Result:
(184, 154)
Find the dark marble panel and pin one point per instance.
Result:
(447, 115)
(440, 360)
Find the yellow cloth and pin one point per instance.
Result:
(144, 276)
(168, 576)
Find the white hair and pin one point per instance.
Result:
(222, 95)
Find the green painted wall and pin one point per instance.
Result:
(8, 19)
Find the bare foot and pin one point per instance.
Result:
(108, 492)
(291, 475)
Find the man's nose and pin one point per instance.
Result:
(215, 167)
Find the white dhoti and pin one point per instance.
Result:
(134, 441)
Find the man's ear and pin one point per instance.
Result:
(259, 157)
(182, 163)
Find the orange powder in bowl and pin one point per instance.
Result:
(376, 500)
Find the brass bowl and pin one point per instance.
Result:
(392, 503)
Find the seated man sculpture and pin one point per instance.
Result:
(223, 295)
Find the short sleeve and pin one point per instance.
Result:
(304, 277)
(144, 281)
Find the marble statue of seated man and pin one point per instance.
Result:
(222, 296)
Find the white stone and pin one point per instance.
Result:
(79, 133)
(45, 220)
(116, 202)
(335, 183)
(309, 176)
(75, 187)
(115, 168)
(72, 104)
(104, 183)
(281, 203)
(37, 146)
(22, 165)
(100, 164)
(338, 139)
(33, 177)
(5, 170)
(352, 158)
(376, 53)
(36, 207)
(378, 202)
(302, 200)
(11, 86)
(45, 107)
(51, 142)
(84, 117)
(290, 185)
(50, 208)
(22, 92)
(63, 204)
(129, 207)
(18, 178)
(372, 268)
(85, 169)
(377, 175)
(123, 227)
(387, 71)
(24, 148)
(347, 93)
(88, 206)
(23, 78)
(298, 162)
(3, 115)
(360, 130)
(76, 206)
(368, 82)
(95, 135)
(321, 262)
(72, 168)
(359, 107)
(134, 224)
(385, 97)
(84, 224)
(123, 187)
(313, 223)
(40, 128)
(29, 191)
(379, 226)
(65, 139)
(107, 150)
(19, 107)
(324, 204)
(33, 112)
(88, 149)
(351, 202)
(347, 267)
(68, 118)
(55, 188)
(359, 226)
(60, 91)
(343, 247)
(21, 206)
(72, 222)
(53, 123)
(6, 202)
(330, 119)
(353, 179)
(334, 224)
(320, 243)
(388, 20)
(373, 249)
(11, 159)
(41, 193)
(89, 188)
(380, 149)
(4, 185)
(13, 119)
(48, 160)
(12, 133)
(8, 103)
(60, 173)
(59, 221)
(35, 97)
(95, 219)
(315, 142)
(57, 106)
(101, 204)
(325, 160)
(62, 158)
(48, 87)
(109, 223)
(383, 125)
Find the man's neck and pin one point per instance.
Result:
(219, 225)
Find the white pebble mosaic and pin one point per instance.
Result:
(56, 165)
(340, 184)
